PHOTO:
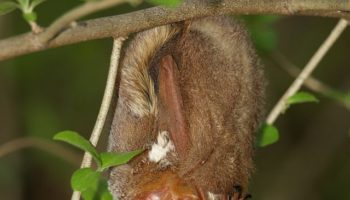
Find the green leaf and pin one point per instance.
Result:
(168, 3)
(98, 192)
(85, 178)
(35, 3)
(103, 191)
(268, 135)
(77, 140)
(106, 195)
(89, 194)
(110, 159)
(7, 7)
(30, 17)
(301, 97)
(24, 3)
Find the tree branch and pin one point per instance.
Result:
(75, 14)
(123, 25)
(308, 69)
(311, 82)
(44, 145)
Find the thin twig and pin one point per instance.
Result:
(106, 102)
(47, 146)
(308, 69)
(125, 24)
(87, 8)
(311, 82)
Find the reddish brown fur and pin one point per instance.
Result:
(222, 90)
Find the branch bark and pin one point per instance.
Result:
(75, 14)
(123, 25)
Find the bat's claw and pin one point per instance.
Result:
(237, 194)
(248, 196)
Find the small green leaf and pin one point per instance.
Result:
(106, 195)
(77, 140)
(30, 17)
(89, 194)
(35, 3)
(7, 7)
(24, 3)
(268, 135)
(168, 3)
(84, 178)
(110, 159)
(301, 97)
(98, 192)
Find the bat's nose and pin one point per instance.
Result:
(168, 186)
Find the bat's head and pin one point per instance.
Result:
(168, 186)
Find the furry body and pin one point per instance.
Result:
(220, 86)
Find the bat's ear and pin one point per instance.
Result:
(172, 103)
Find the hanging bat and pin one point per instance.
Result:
(191, 94)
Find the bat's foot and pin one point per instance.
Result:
(237, 194)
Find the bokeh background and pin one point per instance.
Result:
(59, 89)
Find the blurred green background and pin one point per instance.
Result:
(59, 89)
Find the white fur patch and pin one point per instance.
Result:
(161, 147)
(212, 196)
